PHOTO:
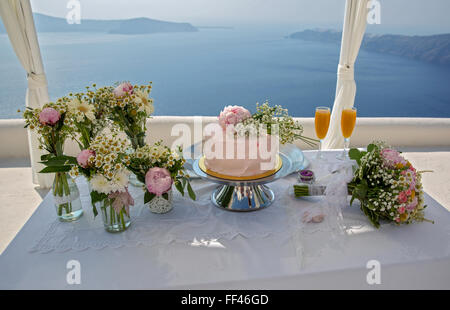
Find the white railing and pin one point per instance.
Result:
(399, 132)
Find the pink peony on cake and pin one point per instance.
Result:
(228, 154)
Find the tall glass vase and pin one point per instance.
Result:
(67, 198)
(113, 221)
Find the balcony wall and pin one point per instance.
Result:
(400, 132)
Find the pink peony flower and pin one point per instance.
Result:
(392, 158)
(158, 181)
(83, 158)
(402, 197)
(49, 116)
(232, 115)
(123, 89)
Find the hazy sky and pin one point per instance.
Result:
(417, 13)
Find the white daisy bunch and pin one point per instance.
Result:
(130, 106)
(105, 167)
(89, 112)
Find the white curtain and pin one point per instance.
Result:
(19, 23)
(353, 32)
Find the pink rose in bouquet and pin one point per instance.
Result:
(392, 158)
(83, 158)
(49, 116)
(158, 181)
(232, 115)
(123, 89)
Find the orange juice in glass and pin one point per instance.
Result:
(322, 123)
(348, 121)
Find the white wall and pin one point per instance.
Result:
(399, 132)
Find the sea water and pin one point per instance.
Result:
(199, 73)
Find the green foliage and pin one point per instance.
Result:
(97, 197)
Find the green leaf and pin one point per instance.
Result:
(56, 169)
(60, 161)
(148, 196)
(355, 154)
(97, 197)
(179, 187)
(94, 210)
(191, 191)
(165, 196)
(47, 157)
(371, 147)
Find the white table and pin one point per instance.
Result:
(414, 256)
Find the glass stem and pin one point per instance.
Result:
(346, 145)
(319, 152)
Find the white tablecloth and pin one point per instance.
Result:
(414, 256)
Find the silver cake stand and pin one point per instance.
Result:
(248, 195)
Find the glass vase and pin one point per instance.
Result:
(161, 205)
(113, 221)
(67, 198)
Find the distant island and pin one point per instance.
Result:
(45, 23)
(433, 49)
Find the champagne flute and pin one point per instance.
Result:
(321, 123)
(348, 121)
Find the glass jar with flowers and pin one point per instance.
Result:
(130, 106)
(108, 178)
(159, 168)
(53, 128)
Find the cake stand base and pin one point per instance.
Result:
(243, 198)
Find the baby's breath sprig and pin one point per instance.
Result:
(270, 117)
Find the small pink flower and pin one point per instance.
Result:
(397, 220)
(49, 116)
(412, 205)
(402, 197)
(401, 210)
(83, 158)
(158, 181)
(408, 192)
(232, 115)
(392, 158)
(123, 89)
(122, 200)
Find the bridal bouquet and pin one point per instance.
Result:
(272, 120)
(130, 108)
(159, 167)
(53, 127)
(386, 184)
